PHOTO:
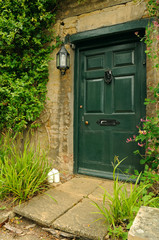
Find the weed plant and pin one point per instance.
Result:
(120, 209)
(22, 173)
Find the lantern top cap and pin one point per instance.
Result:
(63, 49)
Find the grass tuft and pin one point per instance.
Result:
(22, 173)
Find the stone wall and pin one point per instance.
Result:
(56, 132)
(100, 18)
(69, 8)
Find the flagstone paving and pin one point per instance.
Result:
(68, 207)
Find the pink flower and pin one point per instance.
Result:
(149, 148)
(129, 140)
(142, 120)
(158, 37)
(140, 144)
(156, 23)
(136, 33)
(144, 132)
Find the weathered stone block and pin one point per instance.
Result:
(70, 22)
(111, 16)
(73, 8)
(145, 225)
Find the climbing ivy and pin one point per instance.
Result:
(148, 129)
(24, 55)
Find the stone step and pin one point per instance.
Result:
(69, 208)
(46, 208)
(81, 221)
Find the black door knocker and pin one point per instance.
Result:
(108, 77)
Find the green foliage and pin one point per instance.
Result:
(151, 37)
(118, 233)
(151, 178)
(120, 208)
(152, 32)
(24, 54)
(153, 8)
(23, 173)
(148, 136)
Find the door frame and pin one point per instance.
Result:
(82, 41)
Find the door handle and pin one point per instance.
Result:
(107, 122)
(108, 76)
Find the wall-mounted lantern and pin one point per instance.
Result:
(63, 60)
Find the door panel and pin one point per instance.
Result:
(93, 154)
(109, 112)
(123, 58)
(95, 62)
(94, 96)
(123, 86)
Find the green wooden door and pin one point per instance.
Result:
(109, 112)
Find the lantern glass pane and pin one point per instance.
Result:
(63, 60)
(57, 61)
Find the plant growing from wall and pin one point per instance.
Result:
(148, 129)
(24, 55)
(152, 32)
(148, 137)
